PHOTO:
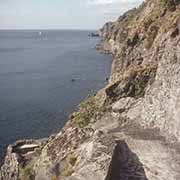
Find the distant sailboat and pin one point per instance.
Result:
(40, 33)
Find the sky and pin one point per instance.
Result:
(61, 14)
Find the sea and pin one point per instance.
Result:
(44, 74)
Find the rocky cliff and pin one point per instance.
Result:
(130, 130)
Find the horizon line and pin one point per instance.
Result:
(2, 29)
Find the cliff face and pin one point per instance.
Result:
(146, 40)
(131, 128)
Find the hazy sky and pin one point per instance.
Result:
(61, 14)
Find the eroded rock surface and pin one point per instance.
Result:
(131, 129)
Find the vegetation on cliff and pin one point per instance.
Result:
(131, 128)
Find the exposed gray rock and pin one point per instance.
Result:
(123, 104)
(10, 168)
(161, 106)
(131, 129)
(18, 154)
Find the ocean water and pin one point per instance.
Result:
(36, 88)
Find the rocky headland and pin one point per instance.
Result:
(130, 130)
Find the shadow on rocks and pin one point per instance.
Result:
(125, 165)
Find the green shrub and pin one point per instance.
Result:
(87, 110)
(26, 172)
(72, 159)
(163, 2)
(54, 178)
(67, 172)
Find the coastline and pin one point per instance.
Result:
(16, 146)
(129, 128)
(15, 152)
(39, 93)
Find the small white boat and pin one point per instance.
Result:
(40, 33)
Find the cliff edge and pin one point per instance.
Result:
(130, 130)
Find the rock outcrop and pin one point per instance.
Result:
(130, 130)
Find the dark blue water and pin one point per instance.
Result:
(36, 72)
